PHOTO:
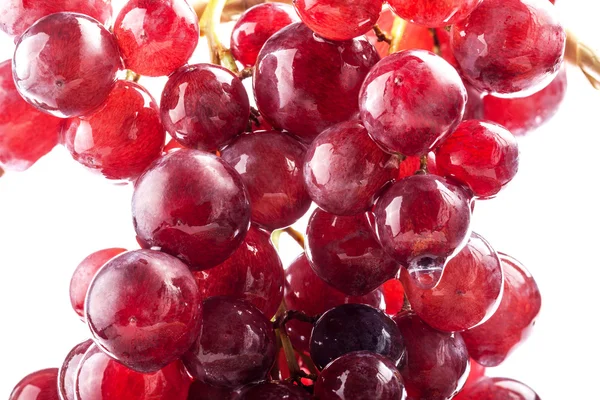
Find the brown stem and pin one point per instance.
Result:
(246, 73)
(436, 42)
(289, 315)
(297, 236)
(423, 166)
(1, 172)
(132, 76)
(288, 350)
(381, 35)
(583, 56)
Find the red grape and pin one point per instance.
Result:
(410, 101)
(477, 371)
(468, 293)
(344, 252)
(26, 134)
(66, 64)
(270, 165)
(275, 391)
(393, 294)
(253, 273)
(202, 391)
(255, 26)
(360, 376)
(354, 327)
(68, 370)
(99, 377)
(192, 205)
(421, 221)
(156, 36)
(524, 114)
(305, 84)
(18, 15)
(499, 389)
(204, 106)
(474, 107)
(509, 46)
(143, 309)
(434, 14)
(481, 155)
(339, 19)
(491, 342)
(345, 170)
(437, 363)
(305, 291)
(40, 385)
(120, 139)
(236, 345)
(412, 164)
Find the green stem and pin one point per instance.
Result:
(210, 20)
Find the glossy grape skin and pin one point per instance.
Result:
(422, 220)
(255, 26)
(202, 391)
(236, 345)
(26, 134)
(468, 293)
(145, 29)
(18, 15)
(410, 101)
(474, 108)
(99, 377)
(499, 389)
(40, 385)
(524, 114)
(437, 363)
(344, 252)
(339, 19)
(305, 291)
(476, 372)
(192, 205)
(66, 64)
(482, 155)
(345, 170)
(275, 391)
(305, 103)
(360, 375)
(509, 46)
(354, 327)
(120, 139)
(253, 273)
(68, 371)
(270, 164)
(393, 294)
(491, 342)
(434, 14)
(204, 106)
(143, 308)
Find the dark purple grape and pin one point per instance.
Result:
(275, 391)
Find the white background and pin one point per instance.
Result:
(55, 214)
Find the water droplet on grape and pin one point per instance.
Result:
(426, 272)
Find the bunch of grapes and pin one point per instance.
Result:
(394, 119)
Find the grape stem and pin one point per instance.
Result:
(1, 172)
(583, 56)
(286, 344)
(398, 29)
(297, 236)
(246, 73)
(289, 315)
(132, 76)
(382, 36)
(210, 20)
(422, 166)
(233, 8)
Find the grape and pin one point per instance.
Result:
(99, 377)
(305, 84)
(344, 252)
(120, 139)
(499, 389)
(360, 376)
(204, 106)
(143, 309)
(202, 391)
(192, 205)
(410, 101)
(18, 15)
(393, 294)
(468, 293)
(156, 37)
(434, 14)
(66, 64)
(482, 155)
(524, 114)
(40, 385)
(477, 371)
(437, 362)
(509, 46)
(68, 370)
(354, 327)
(236, 345)
(412, 164)
(490, 343)
(270, 165)
(339, 19)
(421, 221)
(345, 170)
(25, 133)
(474, 107)
(253, 273)
(255, 26)
(275, 391)
(305, 291)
